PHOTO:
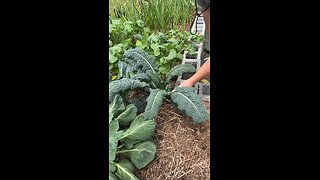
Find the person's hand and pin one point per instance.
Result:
(186, 83)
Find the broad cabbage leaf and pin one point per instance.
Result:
(142, 153)
(139, 130)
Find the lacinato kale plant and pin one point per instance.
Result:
(139, 72)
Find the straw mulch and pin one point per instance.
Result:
(183, 149)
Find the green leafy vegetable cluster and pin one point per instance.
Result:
(167, 47)
(130, 140)
(140, 71)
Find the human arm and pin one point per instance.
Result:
(203, 72)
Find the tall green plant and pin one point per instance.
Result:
(159, 15)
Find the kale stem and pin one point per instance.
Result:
(123, 151)
(120, 146)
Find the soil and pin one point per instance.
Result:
(183, 149)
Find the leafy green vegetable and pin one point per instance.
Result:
(155, 79)
(179, 70)
(122, 69)
(172, 54)
(125, 173)
(139, 130)
(128, 115)
(112, 176)
(112, 167)
(167, 46)
(140, 101)
(121, 139)
(123, 85)
(110, 117)
(116, 106)
(154, 102)
(143, 59)
(165, 68)
(126, 164)
(114, 137)
(142, 76)
(142, 153)
(189, 103)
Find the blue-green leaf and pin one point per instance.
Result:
(154, 102)
(123, 85)
(179, 70)
(142, 58)
(190, 103)
(155, 79)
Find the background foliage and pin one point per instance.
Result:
(159, 15)
(167, 47)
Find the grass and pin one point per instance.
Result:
(159, 15)
(115, 3)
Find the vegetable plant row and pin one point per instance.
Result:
(135, 98)
(167, 47)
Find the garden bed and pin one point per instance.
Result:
(183, 149)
